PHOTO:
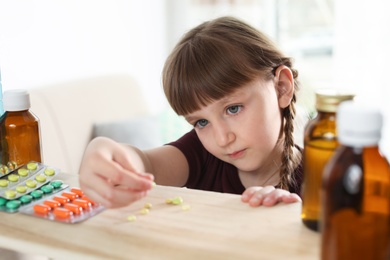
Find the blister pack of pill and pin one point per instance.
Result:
(68, 206)
(25, 179)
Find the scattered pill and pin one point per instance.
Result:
(82, 203)
(132, 218)
(10, 194)
(168, 201)
(177, 200)
(49, 171)
(52, 203)
(70, 195)
(13, 204)
(21, 189)
(62, 213)
(36, 194)
(4, 183)
(144, 211)
(56, 184)
(23, 172)
(42, 209)
(148, 205)
(154, 184)
(31, 183)
(13, 177)
(40, 177)
(185, 207)
(61, 199)
(47, 188)
(32, 166)
(76, 209)
(78, 191)
(25, 199)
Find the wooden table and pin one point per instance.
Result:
(217, 226)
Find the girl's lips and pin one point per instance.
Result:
(237, 154)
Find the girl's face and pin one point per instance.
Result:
(243, 128)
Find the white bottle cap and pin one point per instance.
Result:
(16, 100)
(358, 125)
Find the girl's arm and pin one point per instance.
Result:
(117, 175)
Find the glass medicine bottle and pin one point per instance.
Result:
(355, 217)
(320, 142)
(19, 130)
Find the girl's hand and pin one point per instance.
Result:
(268, 196)
(107, 175)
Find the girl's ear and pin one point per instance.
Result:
(284, 84)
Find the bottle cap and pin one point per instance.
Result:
(358, 125)
(16, 100)
(327, 100)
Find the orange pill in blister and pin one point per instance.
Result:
(52, 203)
(62, 213)
(76, 209)
(77, 191)
(93, 203)
(70, 195)
(82, 203)
(61, 199)
(42, 209)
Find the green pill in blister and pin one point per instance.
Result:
(47, 188)
(23, 172)
(4, 183)
(13, 204)
(13, 177)
(56, 184)
(32, 166)
(10, 194)
(37, 194)
(3, 201)
(49, 172)
(26, 199)
(31, 183)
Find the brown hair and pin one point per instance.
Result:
(216, 58)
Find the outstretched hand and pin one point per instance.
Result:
(268, 196)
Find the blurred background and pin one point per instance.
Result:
(336, 44)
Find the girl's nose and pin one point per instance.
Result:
(223, 135)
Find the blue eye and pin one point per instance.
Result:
(234, 109)
(201, 123)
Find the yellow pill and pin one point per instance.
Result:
(177, 200)
(4, 183)
(23, 172)
(31, 183)
(12, 165)
(144, 211)
(154, 184)
(21, 189)
(49, 171)
(32, 166)
(168, 201)
(148, 205)
(185, 207)
(40, 177)
(10, 194)
(13, 177)
(131, 218)
(3, 169)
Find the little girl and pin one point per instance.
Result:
(236, 88)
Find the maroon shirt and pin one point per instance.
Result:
(207, 172)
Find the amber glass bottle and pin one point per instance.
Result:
(19, 130)
(320, 142)
(355, 194)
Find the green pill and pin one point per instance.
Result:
(4, 183)
(21, 189)
(32, 166)
(10, 194)
(13, 204)
(49, 172)
(3, 201)
(47, 188)
(26, 199)
(37, 194)
(56, 184)
(13, 177)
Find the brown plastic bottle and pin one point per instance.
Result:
(19, 130)
(320, 142)
(355, 194)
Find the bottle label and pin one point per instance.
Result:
(353, 178)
